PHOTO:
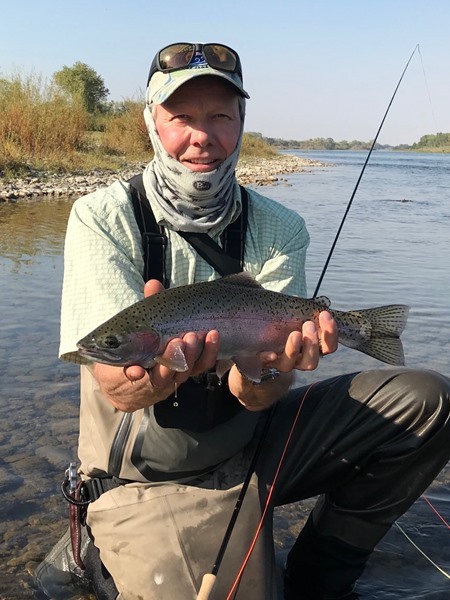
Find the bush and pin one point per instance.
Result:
(37, 123)
(126, 133)
(253, 145)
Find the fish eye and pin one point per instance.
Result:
(111, 341)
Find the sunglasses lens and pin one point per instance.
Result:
(220, 57)
(176, 56)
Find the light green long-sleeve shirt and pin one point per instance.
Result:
(104, 264)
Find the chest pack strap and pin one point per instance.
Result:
(226, 260)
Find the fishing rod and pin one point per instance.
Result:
(350, 202)
(209, 579)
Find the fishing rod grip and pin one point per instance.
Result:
(208, 583)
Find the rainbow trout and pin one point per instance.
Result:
(248, 317)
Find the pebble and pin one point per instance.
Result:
(250, 171)
(268, 171)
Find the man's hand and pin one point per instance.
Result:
(133, 387)
(302, 352)
(304, 349)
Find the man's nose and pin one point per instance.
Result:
(201, 135)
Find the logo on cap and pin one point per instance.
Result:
(198, 61)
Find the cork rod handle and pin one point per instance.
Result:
(207, 586)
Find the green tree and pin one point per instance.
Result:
(81, 82)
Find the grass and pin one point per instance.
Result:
(41, 129)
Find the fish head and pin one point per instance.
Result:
(114, 343)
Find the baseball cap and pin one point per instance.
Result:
(178, 63)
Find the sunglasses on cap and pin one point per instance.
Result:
(179, 56)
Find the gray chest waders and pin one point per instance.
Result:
(213, 402)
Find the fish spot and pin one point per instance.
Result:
(158, 578)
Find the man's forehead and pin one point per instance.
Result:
(203, 84)
(214, 89)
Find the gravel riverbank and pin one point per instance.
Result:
(250, 171)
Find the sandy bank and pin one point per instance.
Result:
(252, 171)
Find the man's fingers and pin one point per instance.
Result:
(193, 344)
(288, 358)
(208, 357)
(302, 351)
(310, 352)
(153, 286)
(328, 333)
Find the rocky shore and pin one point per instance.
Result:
(250, 171)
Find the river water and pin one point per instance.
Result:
(394, 247)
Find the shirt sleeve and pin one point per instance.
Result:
(276, 244)
(103, 264)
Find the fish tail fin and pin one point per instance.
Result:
(388, 350)
(375, 331)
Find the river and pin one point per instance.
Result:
(394, 247)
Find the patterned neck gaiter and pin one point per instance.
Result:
(189, 201)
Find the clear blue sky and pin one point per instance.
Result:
(317, 68)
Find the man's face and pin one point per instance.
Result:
(199, 125)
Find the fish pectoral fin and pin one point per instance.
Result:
(223, 365)
(175, 362)
(250, 366)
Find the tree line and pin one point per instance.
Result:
(82, 83)
(439, 141)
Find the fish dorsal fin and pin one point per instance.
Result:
(322, 301)
(241, 279)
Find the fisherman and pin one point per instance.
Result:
(164, 454)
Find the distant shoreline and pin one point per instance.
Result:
(41, 185)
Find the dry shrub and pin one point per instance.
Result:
(126, 133)
(36, 123)
(253, 145)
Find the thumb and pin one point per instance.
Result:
(153, 286)
(134, 372)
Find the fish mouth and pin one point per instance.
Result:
(99, 355)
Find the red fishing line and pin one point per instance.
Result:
(433, 508)
(269, 497)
